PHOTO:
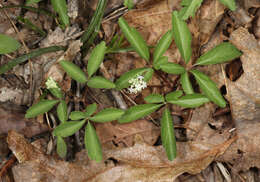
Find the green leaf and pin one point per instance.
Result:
(100, 82)
(96, 58)
(172, 68)
(60, 7)
(182, 36)
(173, 95)
(92, 143)
(129, 4)
(61, 147)
(190, 101)
(221, 53)
(28, 2)
(163, 44)
(186, 84)
(138, 111)
(74, 71)
(154, 98)
(123, 81)
(167, 135)
(209, 88)
(40, 108)
(231, 4)
(90, 109)
(189, 9)
(135, 39)
(68, 128)
(106, 115)
(56, 92)
(159, 62)
(8, 44)
(77, 115)
(148, 74)
(12, 63)
(62, 111)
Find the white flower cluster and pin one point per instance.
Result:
(51, 83)
(137, 84)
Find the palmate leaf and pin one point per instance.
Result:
(189, 8)
(96, 58)
(138, 111)
(221, 53)
(60, 7)
(106, 115)
(209, 88)
(62, 111)
(167, 135)
(92, 143)
(182, 36)
(135, 39)
(40, 108)
(74, 71)
(8, 44)
(186, 84)
(100, 82)
(190, 100)
(154, 99)
(231, 4)
(61, 147)
(163, 44)
(68, 128)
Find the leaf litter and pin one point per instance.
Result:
(131, 154)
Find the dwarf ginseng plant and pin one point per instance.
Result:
(135, 80)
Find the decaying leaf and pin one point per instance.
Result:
(141, 162)
(125, 133)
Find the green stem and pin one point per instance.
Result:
(32, 26)
(95, 21)
(6, 67)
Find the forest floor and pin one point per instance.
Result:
(213, 144)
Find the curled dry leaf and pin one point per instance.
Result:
(211, 13)
(245, 92)
(141, 162)
(12, 118)
(125, 133)
(244, 101)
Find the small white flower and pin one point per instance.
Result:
(137, 84)
(51, 83)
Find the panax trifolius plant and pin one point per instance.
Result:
(135, 80)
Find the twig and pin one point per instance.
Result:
(7, 165)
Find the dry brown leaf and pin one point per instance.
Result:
(141, 162)
(124, 133)
(211, 13)
(245, 92)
